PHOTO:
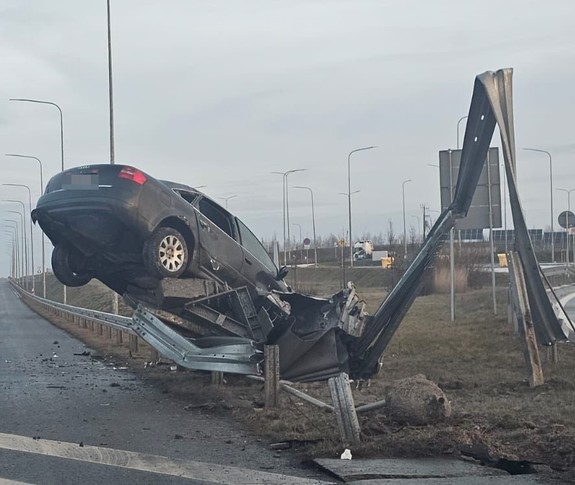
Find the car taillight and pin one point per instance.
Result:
(133, 174)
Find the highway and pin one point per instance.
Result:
(68, 418)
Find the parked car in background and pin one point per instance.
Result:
(124, 227)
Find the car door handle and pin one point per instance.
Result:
(204, 224)
(248, 261)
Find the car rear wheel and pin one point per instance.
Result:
(166, 253)
(67, 267)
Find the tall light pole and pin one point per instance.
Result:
(312, 218)
(227, 198)
(61, 147)
(567, 222)
(404, 227)
(14, 263)
(19, 267)
(551, 196)
(61, 121)
(110, 87)
(31, 233)
(458, 122)
(22, 233)
(41, 192)
(349, 198)
(285, 206)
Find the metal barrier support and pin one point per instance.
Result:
(272, 375)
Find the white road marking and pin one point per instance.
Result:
(5, 481)
(209, 472)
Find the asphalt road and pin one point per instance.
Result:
(67, 418)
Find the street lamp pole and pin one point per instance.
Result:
(567, 222)
(110, 87)
(312, 218)
(41, 192)
(404, 227)
(61, 121)
(15, 234)
(31, 233)
(61, 148)
(349, 198)
(285, 206)
(24, 247)
(14, 263)
(551, 196)
(458, 122)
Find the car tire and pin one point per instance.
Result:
(65, 270)
(165, 253)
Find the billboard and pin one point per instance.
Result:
(489, 187)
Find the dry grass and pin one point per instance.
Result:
(477, 360)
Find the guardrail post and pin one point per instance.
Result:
(525, 320)
(344, 409)
(119, 336)
(108, 332)
(154, 355)
(272, 375)
(133, 343)
(217, 378)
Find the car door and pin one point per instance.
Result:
(221, 254)
(259, 267)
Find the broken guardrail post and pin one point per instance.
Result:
(524, 319)
(272, 375)
(344, 409)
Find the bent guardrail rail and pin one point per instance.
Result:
(224, 354)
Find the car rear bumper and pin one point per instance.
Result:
(90, 223)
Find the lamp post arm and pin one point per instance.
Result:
(61, 121)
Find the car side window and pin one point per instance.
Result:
(217, 215)
(187, 196)
(255, 247)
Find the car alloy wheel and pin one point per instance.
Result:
(171, 253)
(166, 253)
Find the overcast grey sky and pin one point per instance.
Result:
(222, 93)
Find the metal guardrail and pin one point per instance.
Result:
(115, 321)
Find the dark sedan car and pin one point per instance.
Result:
(124, 227)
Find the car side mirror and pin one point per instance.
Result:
(282, 273)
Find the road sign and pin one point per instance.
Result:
(488, 189)
(566, 219)
(306, 243)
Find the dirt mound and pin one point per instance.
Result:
(416, 400)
